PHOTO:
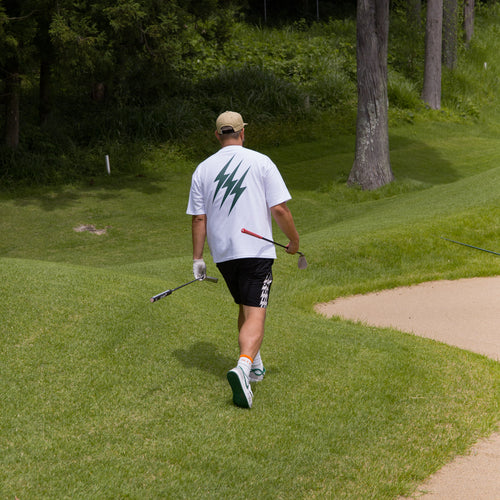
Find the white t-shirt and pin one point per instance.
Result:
(235, 188)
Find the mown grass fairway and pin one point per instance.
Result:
(106, 395)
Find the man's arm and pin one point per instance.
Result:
(283, 217)
(199, 231)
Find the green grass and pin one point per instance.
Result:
(104, 394)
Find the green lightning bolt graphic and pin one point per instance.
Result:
(230, 184)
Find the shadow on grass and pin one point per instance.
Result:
(416, 160)
(306, 166)
(309, 166)
(205, 356)
(50, 198)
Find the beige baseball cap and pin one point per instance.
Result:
(229, 121)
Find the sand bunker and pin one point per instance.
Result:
(464, 313)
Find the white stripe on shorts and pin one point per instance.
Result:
(264, 294)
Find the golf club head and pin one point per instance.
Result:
(209, 278)
(302, 263)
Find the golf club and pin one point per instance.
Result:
(169, 292)
(302, 263)
(470, 246)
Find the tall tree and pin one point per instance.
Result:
(45, 56)
(431, 93)
(133, 49)
(17, 29)
(12, 91)
(450, 33)
(468, 21)
(372, 167)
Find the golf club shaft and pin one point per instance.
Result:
(170, 291)
(471, 246)
(246, 231)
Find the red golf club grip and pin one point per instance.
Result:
(246, 231)
(302, 256)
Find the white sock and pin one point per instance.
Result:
(257, 362)
(245, 363)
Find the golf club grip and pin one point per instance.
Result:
(246, 231)
(160, 295)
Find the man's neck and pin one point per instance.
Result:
(232, 142)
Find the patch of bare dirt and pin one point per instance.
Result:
(90, 228)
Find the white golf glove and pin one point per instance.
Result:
(199, 268)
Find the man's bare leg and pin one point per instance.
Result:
(251, 327)
(251, 322)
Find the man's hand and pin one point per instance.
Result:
(199, 268)
(292, 247)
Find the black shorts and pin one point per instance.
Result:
(248, 280)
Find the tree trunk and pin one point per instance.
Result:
(431, 93)
(450, 33)
(44, 105)
(12, 98)
(46, 55)
(372, 168)
(468, 21)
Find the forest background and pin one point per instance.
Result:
(99, 78)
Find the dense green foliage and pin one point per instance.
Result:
(167, 73)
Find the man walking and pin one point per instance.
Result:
(232, 189)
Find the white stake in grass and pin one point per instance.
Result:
(108, 168)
